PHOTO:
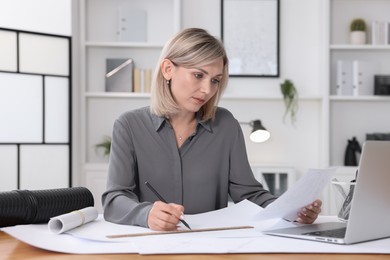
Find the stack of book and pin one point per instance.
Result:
(142, 80)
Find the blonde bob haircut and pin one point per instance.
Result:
(192, 47)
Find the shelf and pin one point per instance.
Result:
(225, 97)
(116, 95)
(359, 98)
(125, 44)
(367, 47)
(276, 98)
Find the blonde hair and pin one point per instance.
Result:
(192, 47)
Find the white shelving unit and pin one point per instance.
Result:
(95, 26)
(348, 116)
(355, 115)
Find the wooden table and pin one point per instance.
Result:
(11, 248)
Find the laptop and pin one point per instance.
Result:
(370, 207)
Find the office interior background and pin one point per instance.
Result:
(309, 46)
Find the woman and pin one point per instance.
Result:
(191, 151)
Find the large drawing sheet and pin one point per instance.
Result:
(184, 244)
(90, 238)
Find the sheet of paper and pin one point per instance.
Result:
(239, 214)
(306, 190)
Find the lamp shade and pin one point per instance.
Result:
(259, 133)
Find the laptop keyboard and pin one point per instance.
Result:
(336, 233)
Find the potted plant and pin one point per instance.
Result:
(290, 97)
(105, 145)
(358, 31)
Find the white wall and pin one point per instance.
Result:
(46, 16)
(299, 44)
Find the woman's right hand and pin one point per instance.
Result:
(165, 217)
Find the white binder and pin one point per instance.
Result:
(344, 78)
(132, 25)
(363, 77)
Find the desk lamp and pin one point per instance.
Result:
(259, 133)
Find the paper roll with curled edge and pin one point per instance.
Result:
(65, 222)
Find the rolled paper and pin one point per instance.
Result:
(72, 220)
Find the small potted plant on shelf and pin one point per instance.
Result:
(358, 31)
(105, 145)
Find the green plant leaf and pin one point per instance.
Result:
(105, 145)
(290, 97)
(358, 24)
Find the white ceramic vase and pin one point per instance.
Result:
(358, 37)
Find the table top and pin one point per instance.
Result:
(12, 248)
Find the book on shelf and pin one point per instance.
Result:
(380, 32)
(363, 77)
(142, 80)
(131, 24)
(147, 80)
(119, 75)
(344, 78)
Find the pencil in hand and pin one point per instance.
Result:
(163, 200)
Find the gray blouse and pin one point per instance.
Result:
(211, 164)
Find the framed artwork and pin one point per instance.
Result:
(250, 32)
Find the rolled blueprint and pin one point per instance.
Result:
(72, 220)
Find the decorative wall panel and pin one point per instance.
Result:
(8, 167)
(8, 51)
(44, 166)
(56, 110)
(43, 54)
(35, 115)
(21, 108)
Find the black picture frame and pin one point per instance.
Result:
(250, 33)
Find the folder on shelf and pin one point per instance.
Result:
(131, 25)
(363, 77)
(344, 78)
(119, 77)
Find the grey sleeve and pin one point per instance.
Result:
(120, 200)
(242, 183)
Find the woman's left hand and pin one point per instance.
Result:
(309, 214)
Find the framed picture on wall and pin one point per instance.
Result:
(250, 32)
